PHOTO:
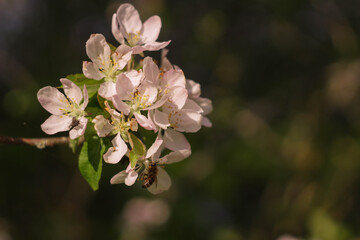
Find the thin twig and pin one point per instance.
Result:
(36, 142)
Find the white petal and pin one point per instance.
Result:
(152, 46)
(91, 71)
(120, 105)
(206, 122)
(119, 178)
(193, 88)
(174, 78)
(174, 140)
(86, 98)
(107, 90)
(128, 19)
(178, 96)
(162, 183)
(55, 124)
(124, 87)
(135, 77)
(115, 29)
(158, 103)
(151, 29)
(131, 178)
(161, 119)
(176, 156)
(154, 147)
(72, 91)
(145, 122)
(165, 63)
(102, 126)
(79, 129)
(115, 153)
(122, 56)
(192, 106)
(148, 93)
(151, 70)
(53, 100)
(98, 50)
(205, 104)
(187, 121)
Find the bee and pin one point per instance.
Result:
(74, 123)
(149, 176)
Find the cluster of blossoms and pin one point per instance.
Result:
(126, 97)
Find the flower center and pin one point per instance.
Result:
(72, 109)
(134, 38)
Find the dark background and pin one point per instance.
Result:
(282, 157)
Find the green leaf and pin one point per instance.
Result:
(90, 160)
(138, 149)
(80, 80)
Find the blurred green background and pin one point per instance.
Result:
(281, 161)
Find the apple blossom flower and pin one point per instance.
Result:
(118, 126)
(127, 176)
(194, 92)
(133, 96)
(174, 141)
(170, 83)
(193, 89)
(67, 111)
(105, 64)
(128, 28)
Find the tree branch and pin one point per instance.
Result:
(36, 142)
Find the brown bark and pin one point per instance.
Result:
(36, 142)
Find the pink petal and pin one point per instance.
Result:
(161, 119)
(165, 63)
(91, 71)
(107, 90)
(153, 46)
(178, 96)
(55, 124)
(135, 77)
(154, 147)
(102, 126)
(193, 88)
(144, 122)
(115, 153)
(128, 19)
(174, 78)
(151, 70)
(86, 97)
(148, 93)
(159, 103)
(98, 50)
(163, 182)
(122, 56)
(174, 140)
(187, 121)
(124, 87)
(119, 178)
(175, 156)
(120, 105)
(151, 29)
(206, 122)
(115, 29)
(131, 178)
(53, 100)
(191, 105)
(72, 91)
(205, 104)
(79, 129)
